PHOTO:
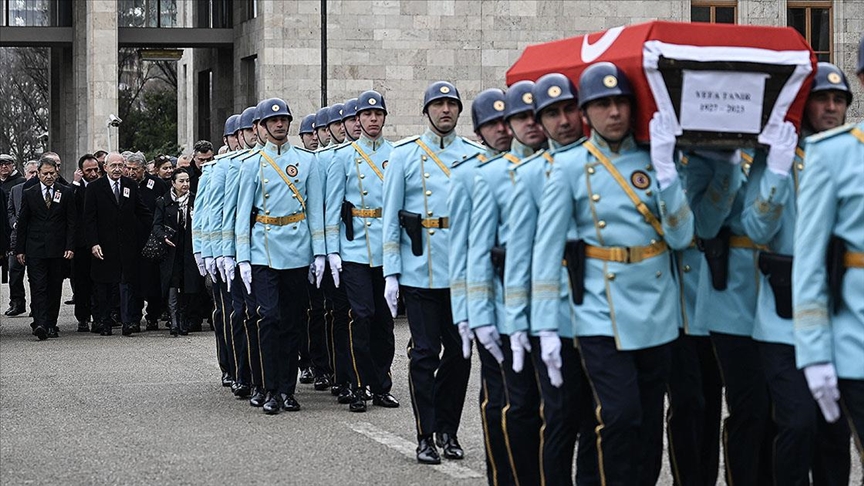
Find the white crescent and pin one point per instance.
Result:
(590, 52)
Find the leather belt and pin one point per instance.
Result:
(281, 220)
(736, 241)
(366, 213)
(853, 260)
(443, 222)
(621, 254)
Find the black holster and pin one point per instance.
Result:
(836, 271)
(498, 254)
(778, 269)
(413, 224)
(716, 252)
(574, 256)
(347, 218)
(252, 216)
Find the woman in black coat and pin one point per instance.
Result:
(178, 271)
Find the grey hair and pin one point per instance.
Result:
(136, 158)
(46, 160)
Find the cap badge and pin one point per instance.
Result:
(610, 81)
(527, 98)
(445, 89)
(372, 101)
(498, 105)
(554, 92)
(833, 78)
(275, 107)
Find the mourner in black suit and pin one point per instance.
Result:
(179, 273)
(146, 287)
(46, 237)
(89, 168)
(112, 209)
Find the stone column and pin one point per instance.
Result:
(95, 62)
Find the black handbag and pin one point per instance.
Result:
(155, 249)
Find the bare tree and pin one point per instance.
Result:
(24, 100)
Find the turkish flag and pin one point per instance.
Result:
(722, 82)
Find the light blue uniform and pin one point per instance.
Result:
(490, 213)
(216, 201)
(351, 178)
(636, 303)
(830, 202)
(200, 239)
(415, 182)
(280, 246)
(687, 264)
(229, 207)
(529, 177)
(459, 205)
(769, 219)
(716, 192)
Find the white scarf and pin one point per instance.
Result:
(182, 207)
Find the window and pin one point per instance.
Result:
(248, 69)
(814, 21)
(36, 13)
(147, 13)
(714, 12)
(214, 13)
(251, 9)
(205, 92)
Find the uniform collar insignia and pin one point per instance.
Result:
(438, 141)
(520, 150)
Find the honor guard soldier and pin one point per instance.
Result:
(804, 439)
(564, 393)
(307, 133)
(487, 117)
(623, 325)
(695, 387)
(204, 257)
(242, 304)
(416, 184)
(322, 118)
(330, 301)
(350, 121)
(828, 300)
(493, 189)
(334, 124)
(355, 184)
(280, 200)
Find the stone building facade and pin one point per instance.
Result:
(399, 46)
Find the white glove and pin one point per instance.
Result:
(519, 345)
(220, 268)
(320, 262)
(550, 353)
(662, 133)
(228, 264)
(391, 293)
(210, 265)
(490, 339)
(246, 275)
(335, 262)
(822, 381)
(465, 334)
(783, 140)
(311, 275)
(199, 262)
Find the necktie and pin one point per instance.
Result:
(117, 192)
(47, 197)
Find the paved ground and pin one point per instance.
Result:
(85, 409)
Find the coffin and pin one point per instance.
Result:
(723, 83)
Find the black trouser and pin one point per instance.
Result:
(244, 331)
(693, 417)
(106, 296)
(747, 431)
(281, 316)
(567, 414)
(629, 389)
(493, 400)
(437, 382)
(521, 417)
(804, 438)
(370, 328)
(318, 336)
(83, 285)
(16, 281)
(852, 401)
(151, 291)
(222, 327)
(46, 290)
(337, 307)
